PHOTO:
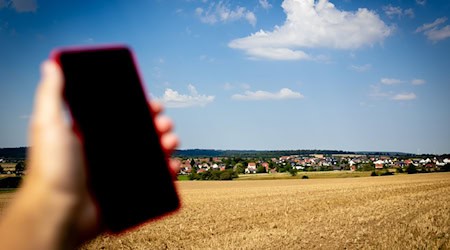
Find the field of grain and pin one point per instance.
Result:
(389, 212)
(406, 211)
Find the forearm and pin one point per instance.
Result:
(37, 218)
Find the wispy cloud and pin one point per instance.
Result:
(391, 81)
(360, 68)
(418, 81)
(421, 2)
(433, 31)
(404, 97)
(221, 12)
(377, 92)
(314, 24)
(260, 95)
(395, 11)
(173, 99)
(265, 4)
(19, 5)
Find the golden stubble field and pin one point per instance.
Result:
(391, 212)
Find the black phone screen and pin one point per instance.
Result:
(127, 169)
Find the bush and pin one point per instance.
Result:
(446, 168)
(373, 173)
(214, 175)
(225, 175)
(305, 177)
(293, 171)
(411, 169)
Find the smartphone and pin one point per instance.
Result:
(127, 168)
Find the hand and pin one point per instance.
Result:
(54, 209)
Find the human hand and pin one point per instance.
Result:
(54, 208)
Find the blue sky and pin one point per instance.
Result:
(261, 74)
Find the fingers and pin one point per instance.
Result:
(48, 100)
(156, 107)
(169, 142)
(163, 124)
(174, 167)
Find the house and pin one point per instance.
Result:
(318, 156)
(266, 166)
(379, 164)
(251, 168)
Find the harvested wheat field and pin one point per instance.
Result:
(391, 212)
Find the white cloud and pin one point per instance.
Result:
(391, 81)
(392, 11)
(259, 95)
(404, 97)
(421, 2)
(436, 35)
(361, 68)
(432, 30)
(395, 11)
(429, 26)
(173, 99)
(220, 12)
(418, 81)
(277, 54)
(265, 4)
(313, 24)
(251, 18)
(377, 92)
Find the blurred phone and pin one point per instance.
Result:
(127, 169)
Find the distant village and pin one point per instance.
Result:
(289, 163)
(316, 162)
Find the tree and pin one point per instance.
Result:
(20, 166)
(192, 163)
(367, 166)
(239, 167)
(411, 169)
(260, 169)
(446, 168)
(293, 171)
(226, 175)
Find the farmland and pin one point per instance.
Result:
(401, 211)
